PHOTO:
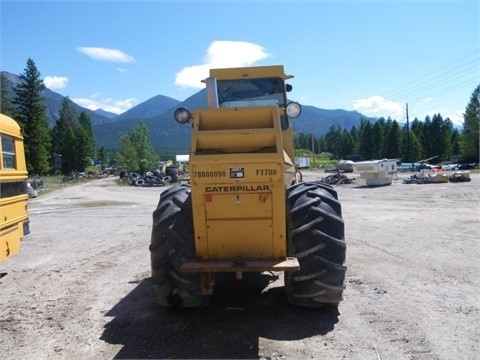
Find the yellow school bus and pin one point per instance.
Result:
(14, 218)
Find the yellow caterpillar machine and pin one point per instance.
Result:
(246, 208)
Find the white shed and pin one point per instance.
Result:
(302, 162)
(182, 158)
(376, 172)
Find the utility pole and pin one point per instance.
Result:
(313, 151)
(407, 155)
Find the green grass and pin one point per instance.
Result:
(55, 182)
(324, 160)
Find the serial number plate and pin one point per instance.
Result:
(237, 173)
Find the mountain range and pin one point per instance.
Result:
(167, 136)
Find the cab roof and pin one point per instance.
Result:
(9, 126)
(250, 72)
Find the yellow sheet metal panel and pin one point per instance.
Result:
(13, 175)
(234, 189)
(236, 130)
(237, 141)
(251, 239)
(279, 221)
(199, 223)
(223, 205)
(13, 210)
(10, 240)
(238, 205)
(236, 118)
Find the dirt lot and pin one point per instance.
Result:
(80, 286)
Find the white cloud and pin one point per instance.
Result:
(221, 54)
(55, 82)
(378, 106)
(455, 117)
(425, 100)
(96, 95)
(104, 54)
(96, 101)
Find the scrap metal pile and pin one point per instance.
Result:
(152, 178)
(459, 177)
(436, 178)
(336, 179)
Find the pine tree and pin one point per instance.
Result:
(469, 144)
(378, 135)
(73, 138)
(392, 148)
(102, 156)
(367, 141)
(348, 143)
(426, 139)
(417, 132)
(448, 133)
(439, 135)
(6, 106)
(63, 136)
(30, 113)
(68, 152)
(67, 120)
(333, 141)
(415, 148)
(86, 124)
(82, 141)
(356, 139)
(303, 141)
(455, 140)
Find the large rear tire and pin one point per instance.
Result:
(173, 243)
(316, 238)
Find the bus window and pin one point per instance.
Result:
(8, 152)
(14, 222)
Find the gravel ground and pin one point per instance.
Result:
(80, 286)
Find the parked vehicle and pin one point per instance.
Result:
(32, 193)
(14, 222)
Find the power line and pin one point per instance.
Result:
(457, 70)
(444, 91)
(464, 75)
(388, 93)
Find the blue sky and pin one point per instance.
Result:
(369, 56)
